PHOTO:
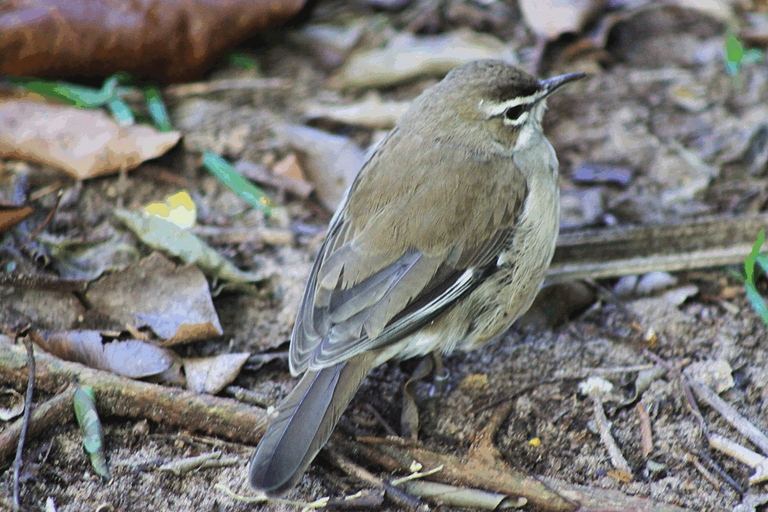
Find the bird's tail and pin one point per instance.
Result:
(304, 423)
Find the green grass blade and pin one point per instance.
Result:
(239, 185)
(157, 109)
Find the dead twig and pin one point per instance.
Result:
(24, 422)
(389, 440)
(686, 388)
(646, 435)
(548, 494)
(754, 460)
(376, 414)
(119, 396)
(704, 242)
(725, 477)
(52, 284)
(56, 411)
(47, 221)
(708, 476)
(617, 459)
(398, 496)
(730, 414)
(182, 91)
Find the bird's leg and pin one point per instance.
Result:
(409, 419)
(440, 382)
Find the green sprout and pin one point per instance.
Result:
(108, 96)
(242, 60)
(157, 109)
(236, 183)
(749, 281)
(736, 56)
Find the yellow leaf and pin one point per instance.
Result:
(178, 208)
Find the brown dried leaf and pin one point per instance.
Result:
(550, 19)
(212, 374)
(289, 167)
(408, 57)
(166, 40)
(12, 215)
(131, 358)
(175, 302)
(11, 404)
(331, 162)
(82, 143)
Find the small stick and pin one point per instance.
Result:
(248, 396)
(398, 496)
(617, 459)
(731, 415)
(47, 220)
(646, 436)
(745, 455)
(381, 420)
(119, 396)
(53, 284)
(754, 460)
(389, 440)
(703, 455)
(708, 476)
(686, 388)
(56, 411)
(25, 421)
(199, 88)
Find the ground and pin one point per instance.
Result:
(658, 104)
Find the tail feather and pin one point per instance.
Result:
(304, 423)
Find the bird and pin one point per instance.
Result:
(441, 243)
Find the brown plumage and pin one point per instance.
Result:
(442, 242)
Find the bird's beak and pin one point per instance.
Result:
(550, 85)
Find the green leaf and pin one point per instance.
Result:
(157, 109)
(166, 236)
(121, 112)
(236, 183)
(93, 437)
(749, 263)
(757, 302)
(84, 97)
(242, 60)
(762, 261)
(734, 51)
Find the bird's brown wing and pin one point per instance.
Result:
(405, 246)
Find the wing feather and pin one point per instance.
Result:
(391, 261)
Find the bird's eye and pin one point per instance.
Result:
(514, 113)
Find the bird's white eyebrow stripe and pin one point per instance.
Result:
(500, 108)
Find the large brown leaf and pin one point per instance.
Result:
(166, 40)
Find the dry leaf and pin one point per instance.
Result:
(554, 17)
(83, 143)
(78, 259)
(131, 358)
(166, 236)
(409, 56)
(331, 161)
(290, 168)
(212, 374)
(174, 302)
(11, 404)
(372, 112)
(261, 174)
(49, 310)
(166, 40)
(12, 215)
